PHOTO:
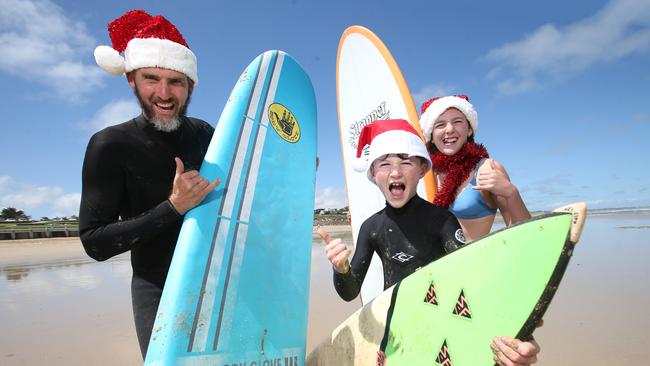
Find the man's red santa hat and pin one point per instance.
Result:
(391, 136)
(147, 41)
(434, 107)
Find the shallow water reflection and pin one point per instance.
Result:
(54, 313)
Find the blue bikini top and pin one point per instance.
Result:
(470, 203)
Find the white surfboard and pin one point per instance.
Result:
(369, 87)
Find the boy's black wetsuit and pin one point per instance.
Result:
(405, 239)
(128, 173)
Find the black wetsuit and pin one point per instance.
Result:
(405, 239)
(127, 177)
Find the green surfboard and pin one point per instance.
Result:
(447, 312)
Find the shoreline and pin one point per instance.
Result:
(20, 252)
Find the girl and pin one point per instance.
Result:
(470, 184)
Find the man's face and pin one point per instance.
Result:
(397, 177)
(163, 95)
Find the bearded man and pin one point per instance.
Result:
(140, 177)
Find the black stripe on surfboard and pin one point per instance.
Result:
(235, 238)
(389, 315)
(526, 331)
(219, 217)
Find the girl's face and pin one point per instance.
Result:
(450, 131)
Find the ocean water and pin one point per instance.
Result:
(78, 312)
(598, 314)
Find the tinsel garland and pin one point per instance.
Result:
(457, 169)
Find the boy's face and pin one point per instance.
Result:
(397, 177)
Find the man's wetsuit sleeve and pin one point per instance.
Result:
(102, 232)
(348, 285)
(451, 234)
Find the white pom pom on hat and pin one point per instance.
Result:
(359, 165)
(110, 60)
(382, 137)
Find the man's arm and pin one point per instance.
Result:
(102, 232)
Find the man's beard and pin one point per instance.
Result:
(160, 125)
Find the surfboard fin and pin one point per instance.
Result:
(579, 212)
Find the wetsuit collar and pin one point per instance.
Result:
(141, 121)
(414, 202)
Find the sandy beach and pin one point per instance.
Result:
(39, 251)
(96, 327)
(59, 307)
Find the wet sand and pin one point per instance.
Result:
(61, 308)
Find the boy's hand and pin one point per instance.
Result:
(337, 252)
(509, 351)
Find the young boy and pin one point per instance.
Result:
(409, 232)
(397, 160)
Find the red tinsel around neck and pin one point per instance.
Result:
(457, 169)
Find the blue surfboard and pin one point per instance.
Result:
(238, 286)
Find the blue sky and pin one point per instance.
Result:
(562, 88)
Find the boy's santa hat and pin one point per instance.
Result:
(147, 41)
(391, 136)
(434, 107)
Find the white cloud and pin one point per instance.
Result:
(38, 201)
(5, 180)
(641, 117)
(430, 91)
(555, 53)
(331, 198)
(547, 186)
(563, 147)
(39, 43)
(112, 113)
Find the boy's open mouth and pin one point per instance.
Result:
(396, 187)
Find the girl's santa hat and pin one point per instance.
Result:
(147, 41)
(391, 136)
(434, 107)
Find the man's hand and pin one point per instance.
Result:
(513, 352)
(189, 188)
(337, 252)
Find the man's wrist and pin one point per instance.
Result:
(171, 203)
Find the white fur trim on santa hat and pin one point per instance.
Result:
(163, 53)
(439, 106)
(396, 142)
